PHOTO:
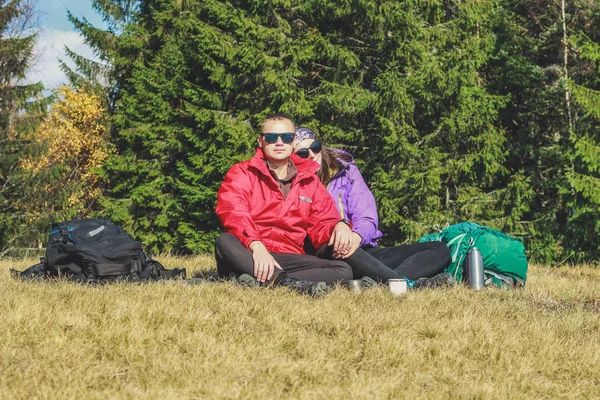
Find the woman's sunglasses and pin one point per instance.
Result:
(315, 147)
(286, 138)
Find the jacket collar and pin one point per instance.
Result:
(304, 166)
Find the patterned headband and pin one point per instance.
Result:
(304, 133)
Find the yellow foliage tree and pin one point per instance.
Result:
(74, 145)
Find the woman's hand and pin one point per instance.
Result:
(341, 239)
(356, 241)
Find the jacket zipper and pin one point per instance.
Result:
(341, 206)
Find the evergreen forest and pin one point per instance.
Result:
(455, 110)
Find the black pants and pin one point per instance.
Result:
(233, 256)
(412, 261)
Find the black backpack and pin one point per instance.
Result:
(98, 251)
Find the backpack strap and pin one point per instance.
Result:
(35, 272)
(153, 270)
(112, 269)
(458, 240)
(90, 269)
(160, 272)
(94, 270)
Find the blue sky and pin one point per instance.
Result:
(56, 32)
(55, 13)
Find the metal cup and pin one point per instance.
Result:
(398, 286)
(354, 285)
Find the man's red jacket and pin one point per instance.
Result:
(251, 206)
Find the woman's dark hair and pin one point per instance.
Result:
(331, 163)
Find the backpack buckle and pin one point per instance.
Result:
(136, 263)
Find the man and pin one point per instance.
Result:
(268, 206)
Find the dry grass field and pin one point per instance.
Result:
(218, 340)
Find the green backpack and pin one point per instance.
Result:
(504, 260)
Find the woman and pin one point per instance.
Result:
(356, 204)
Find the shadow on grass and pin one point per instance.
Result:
(550, 304)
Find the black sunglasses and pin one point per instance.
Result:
(315, 147)
(286, 138)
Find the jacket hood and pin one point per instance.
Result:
(344, 165)
(343, 162)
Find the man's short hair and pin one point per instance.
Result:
(277, 117)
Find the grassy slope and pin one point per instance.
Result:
(218, 340)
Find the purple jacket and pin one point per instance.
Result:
(355, 202)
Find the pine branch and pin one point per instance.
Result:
(588, 98)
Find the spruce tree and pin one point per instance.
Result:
(401, 85)
(532, 66)
(99, 75)
(526, 67)
(440, 153)
(453, 110)
(21, 107)
(583, 237)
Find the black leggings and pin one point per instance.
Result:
(412, 261)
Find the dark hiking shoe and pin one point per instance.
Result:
(368, 282)
(315, 289)
(247, 280)
(444, 279)
(232, 277)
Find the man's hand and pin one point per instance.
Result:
(341, 239)
(264, 263)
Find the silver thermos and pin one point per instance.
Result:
(475, 269)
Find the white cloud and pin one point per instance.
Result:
(48, 50)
